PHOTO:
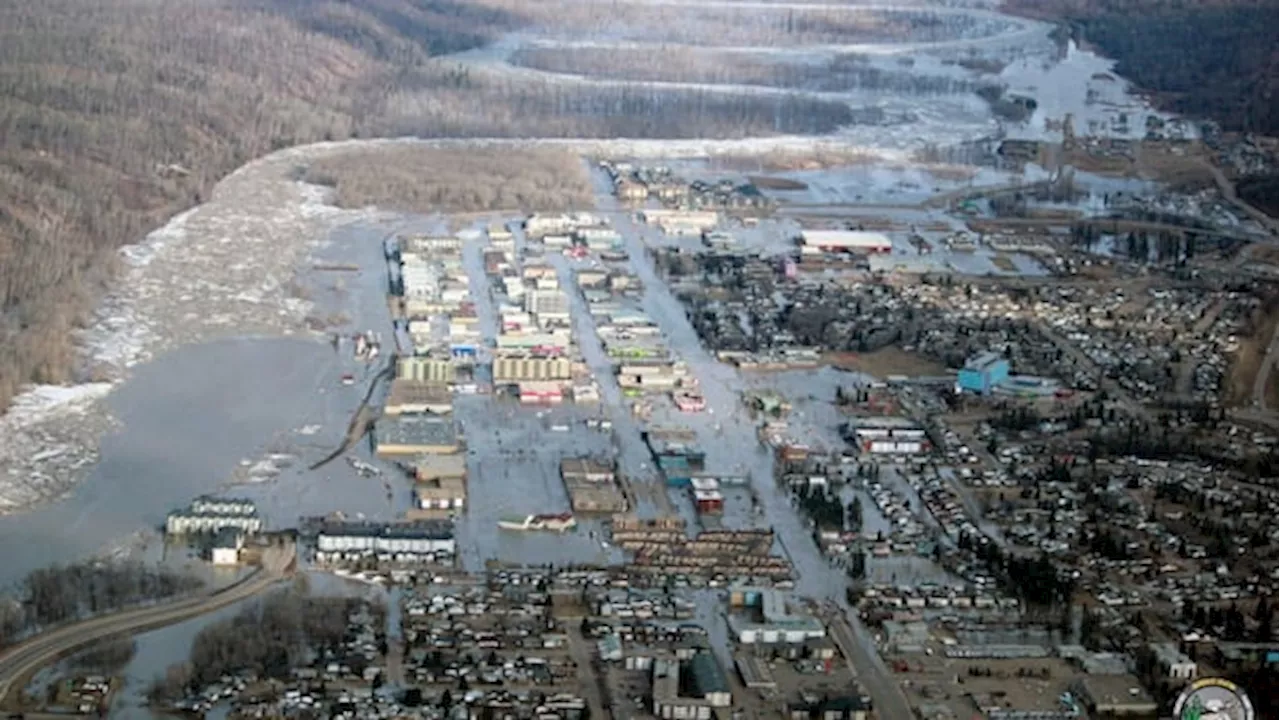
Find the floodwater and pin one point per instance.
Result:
(187, 418)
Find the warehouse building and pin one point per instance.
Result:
(982, 373)
(409, 435)
(592, 486)
(845, 241)
(690, 690)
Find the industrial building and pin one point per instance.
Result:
(408, 397)
(592, 486)
(689, 690)
(520, 369)
(421, 541)
(211, 516)
(982, 373)
(844, 241)
(409, 435)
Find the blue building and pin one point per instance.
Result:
(982, 373)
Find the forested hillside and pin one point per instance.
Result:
(1207, 58)
(116, 114)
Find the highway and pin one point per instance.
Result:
(20, 661)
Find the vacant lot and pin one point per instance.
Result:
(446, 180)
(887, 361)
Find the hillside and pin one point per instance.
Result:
(116, 114)
(1214, 59)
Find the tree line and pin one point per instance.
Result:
(64, 593)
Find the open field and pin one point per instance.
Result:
(426, 179)
(1250, 356)
(887, 361)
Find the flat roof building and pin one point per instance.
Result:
(519, 369)
(409, 397)
(982, 373)
(851, 241)
(690, 690)
(416, 435)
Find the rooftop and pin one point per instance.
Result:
(419, 530)
(982, 361)
(423, 430)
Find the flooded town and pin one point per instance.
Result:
(696, 454)
(738, 434)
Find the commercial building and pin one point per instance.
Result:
(520, 369)
(888, 435)
(408, 435)
(545, 342)
(408, 397)
(1114, 696)
(430, 244)
(845, 707)
(682, 222)
(845, 241)
(981, 373)
(211, 516)
(549, 307)
(1171, 663)
(541, 391)
(226, 547)
(762, 616)
(442, 493)
(422, 541)
(441, 482)
(689, 690)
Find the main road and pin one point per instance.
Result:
(21, 661)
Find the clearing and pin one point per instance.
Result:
(886, 361)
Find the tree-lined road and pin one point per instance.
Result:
(21, 661)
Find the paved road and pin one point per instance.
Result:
(20, 661)
(1264, 373)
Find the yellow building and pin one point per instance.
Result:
(521, 369)
(426, 370)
